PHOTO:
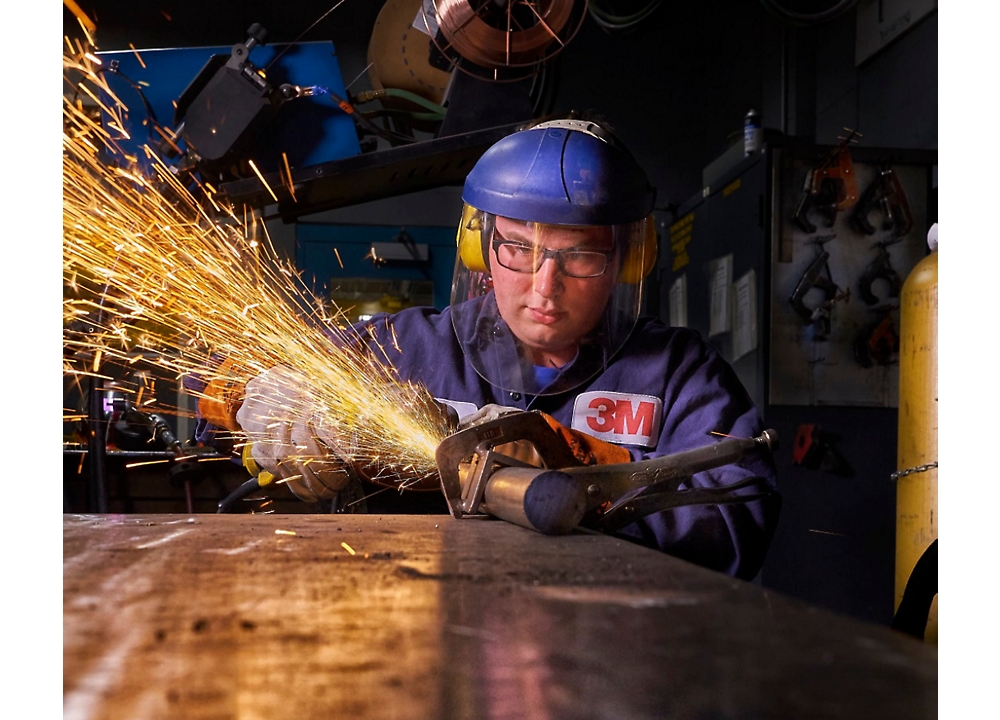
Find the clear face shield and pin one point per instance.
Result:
(540, 309)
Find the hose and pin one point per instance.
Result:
(415, 116)
(244, 491)
(370, 95)
(797, 18)
(612, 22)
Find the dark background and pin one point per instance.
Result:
(676, 87)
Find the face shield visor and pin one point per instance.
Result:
(540, 308)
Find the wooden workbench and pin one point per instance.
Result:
(334, 616)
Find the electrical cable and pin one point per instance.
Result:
(415, 116)
(393, 137)
(245, 490)
(547, 81)
(802, 19)
(611, 22)
(150, 113)
(303, 34)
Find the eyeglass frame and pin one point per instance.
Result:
(546, 254)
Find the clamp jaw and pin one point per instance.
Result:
(817, 276)
(886, 194)
(880, 269)
(481, 476)
(830, 186)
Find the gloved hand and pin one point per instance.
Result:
(288, 441)
(485, 414)
(221, 396)
(588, 449)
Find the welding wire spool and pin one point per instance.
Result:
(549, 501)
(516, 34)
(399, 56)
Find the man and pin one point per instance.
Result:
(555, 240)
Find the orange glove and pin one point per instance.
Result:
(585, 448)
(588, 449)
(222, 397)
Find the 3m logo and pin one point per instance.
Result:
(618, 417)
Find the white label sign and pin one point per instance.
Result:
(619, 417)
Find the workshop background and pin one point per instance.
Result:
(836, 84)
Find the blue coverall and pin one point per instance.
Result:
(663, 392)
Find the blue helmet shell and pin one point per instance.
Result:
(560, 175)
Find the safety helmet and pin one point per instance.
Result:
(559, 176)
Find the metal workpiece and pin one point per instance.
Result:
(415, 616)
(466, 459)
(549, 501)
(557, 494)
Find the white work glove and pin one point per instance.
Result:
(486, 414)
(277, 417)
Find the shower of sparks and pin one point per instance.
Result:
(172, 276)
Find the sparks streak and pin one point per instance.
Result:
(253, 167)
(155, 271)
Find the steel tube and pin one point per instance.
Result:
(548, 501)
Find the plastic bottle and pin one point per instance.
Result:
(753, 133)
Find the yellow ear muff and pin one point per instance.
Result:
(470, 240)
(641, 257)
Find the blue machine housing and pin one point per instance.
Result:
(308, 130)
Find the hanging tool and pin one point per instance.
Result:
(814, 449)
(885, 193)
(878, 343)
(830, 186)
(817, 276)
(480, 476)
(880, 269)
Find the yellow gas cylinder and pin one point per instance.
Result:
(917, 490)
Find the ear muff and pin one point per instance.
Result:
(470, 240)
(639, 261)
(640, 258)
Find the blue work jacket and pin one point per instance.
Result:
(665, 391)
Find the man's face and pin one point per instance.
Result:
(549, 311)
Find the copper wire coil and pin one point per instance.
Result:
(517, 43)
